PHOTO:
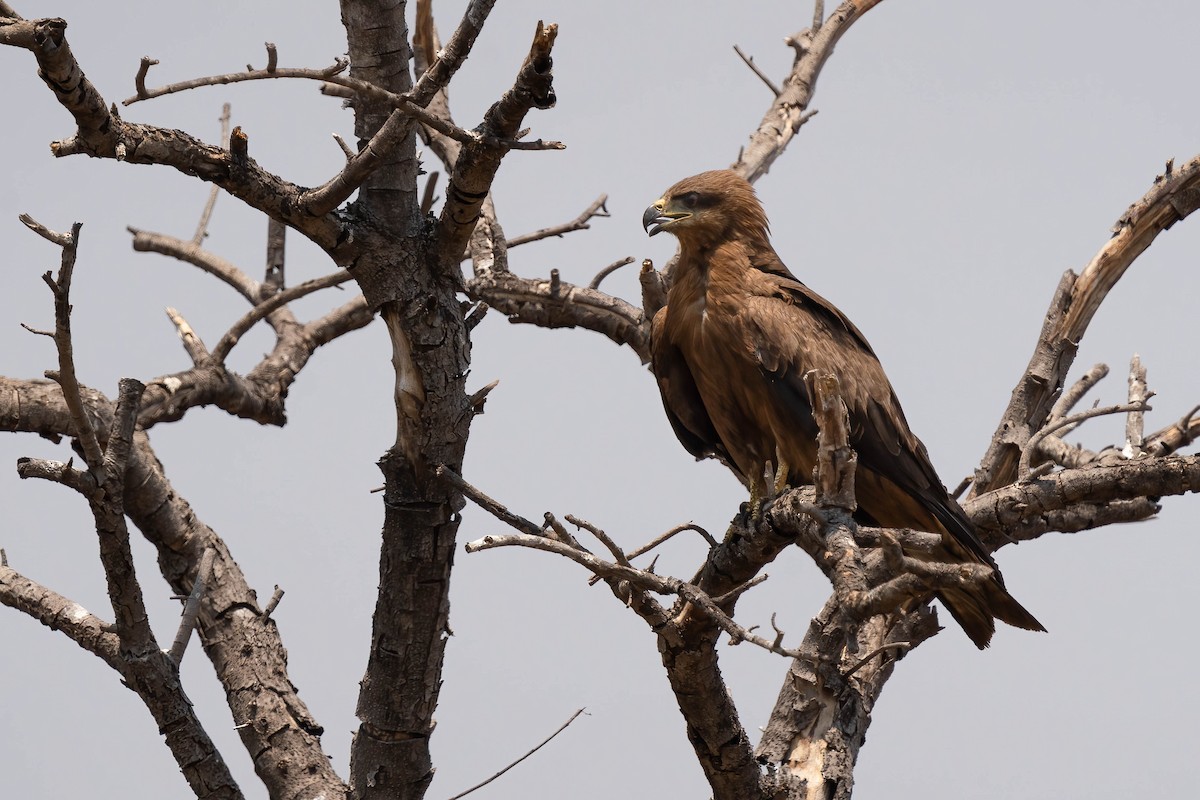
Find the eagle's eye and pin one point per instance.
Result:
(690, 200)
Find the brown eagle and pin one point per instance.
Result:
(730, 350)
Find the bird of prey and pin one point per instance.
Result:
(730, 350)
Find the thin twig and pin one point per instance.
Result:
(1071, 397)
(522, 758)
(37, 331)
(738, 591)
(962, 486)
(182, 250)
(64, 376)
(687, 526)
(1135, 421)
(779, 634)
(206, 215)
(239, 328)
(273, 603)
(605, 539)
(330, 74)
(346, 149)
(139, 80)
(903, 647)
(1023, 470)
(609, 270)
(754, 68)
(596, 209)
(641, 578)
(656, 541)
(493, 507)
(191, 608)
(192, 343)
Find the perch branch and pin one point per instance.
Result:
(617, 553)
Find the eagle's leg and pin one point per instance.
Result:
(781, 474)
(774, 481)
(756, 499)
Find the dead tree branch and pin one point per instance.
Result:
(206, 214)
(580, 223)
(102, 134)
(478, 162)
(147, 670)
(789, 110)
(563, 305)
(1173, 197)
(191, 608)
(247, 655)
(239, 328)
(762, 76)
(64, 376)
(542, 744)
(330, 74)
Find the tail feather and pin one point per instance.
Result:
(976, 607)
(975, 610)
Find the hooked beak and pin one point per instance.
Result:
(657, 217)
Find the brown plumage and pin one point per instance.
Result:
(730, 350)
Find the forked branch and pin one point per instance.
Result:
(1174, 195)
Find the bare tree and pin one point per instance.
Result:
(381, 225)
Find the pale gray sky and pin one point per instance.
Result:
(965, 155)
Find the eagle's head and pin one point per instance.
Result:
(707, 208)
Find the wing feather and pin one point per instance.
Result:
(795, 330)
(681, 398)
